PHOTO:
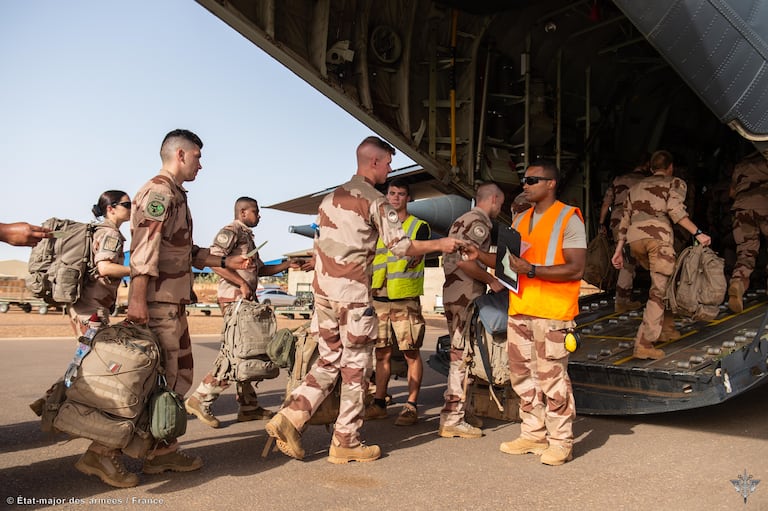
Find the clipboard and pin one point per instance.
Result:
(508, 242)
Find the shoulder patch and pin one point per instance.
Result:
(110, 244)
(479, 231)
(224, 238)
(392, 216)
(157, 206)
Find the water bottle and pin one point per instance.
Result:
(83, 348)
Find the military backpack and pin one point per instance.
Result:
(697, 286)
(60, 266)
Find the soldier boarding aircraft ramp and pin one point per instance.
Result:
(474, 90)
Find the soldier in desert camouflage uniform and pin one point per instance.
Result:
(162, 256)
(235, 238)
(465, 281)
(549, 277)
(614, 200)
(350, 220)
(93, 309)
(749, 190)
(650, 209)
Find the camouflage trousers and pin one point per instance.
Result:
(218, 380)
(625, 280)
(455, 404)
(346, 335)
(538, 371)
(168, 321)
(659, 258)
(747, 226)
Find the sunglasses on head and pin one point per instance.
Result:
(532, 180)
(126, 205)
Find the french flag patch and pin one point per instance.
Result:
(114, 367)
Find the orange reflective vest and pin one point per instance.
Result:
(537, 297)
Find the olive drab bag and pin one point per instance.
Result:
(697, 286)
(59, 266)
(599, 270)
(248, 329)
(305, 354)
(108, 398)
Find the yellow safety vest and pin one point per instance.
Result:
(402, 281)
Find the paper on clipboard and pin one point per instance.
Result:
(255, 250)
(508, 243)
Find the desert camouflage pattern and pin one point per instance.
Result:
(455, 403)
(616, 194)
(659, 258)
(346, 335)
(236, 239)
(168, 321)
(649, 207)
(350, 222)
(401, 322)
(538, 371)
(459, 288)
(750, 214)
(99, 294)
(161, 240)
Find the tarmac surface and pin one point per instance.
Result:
(681, 461)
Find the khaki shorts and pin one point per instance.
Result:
(400, 321)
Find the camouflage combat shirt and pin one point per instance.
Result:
(350, 221)
(617, 193)
(750, 184)
(161, 240)
(101, 292)
(236, 239)
(649, 207)
(459, 288)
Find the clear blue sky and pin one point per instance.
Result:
(88, 89)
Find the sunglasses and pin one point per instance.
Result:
(126, 205)
(532, 180)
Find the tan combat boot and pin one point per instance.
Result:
(287, 437)
(201, 411)
(524, 446)
(250, 413)
(362, 453)
(736, 295)
(461, 430)
(175, 461)
(556, 455)
(645, 353)
(108, 468)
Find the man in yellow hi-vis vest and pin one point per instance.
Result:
(397, 284)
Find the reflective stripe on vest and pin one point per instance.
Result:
(537, 297)
(402, 281)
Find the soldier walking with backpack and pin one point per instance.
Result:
(162, 256)
(651, 208)
(93, 310)
(234, 238)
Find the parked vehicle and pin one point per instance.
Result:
(275, 297)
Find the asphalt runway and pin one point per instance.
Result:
(681, 461)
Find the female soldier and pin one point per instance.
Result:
(98, 296)
(92, 310)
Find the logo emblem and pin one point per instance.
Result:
(156, 208)
(745, 485)
(479, 231)
(392, 216)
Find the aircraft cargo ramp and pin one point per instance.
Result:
(711, 362)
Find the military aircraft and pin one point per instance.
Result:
(474, 90)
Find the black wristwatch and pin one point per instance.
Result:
(532, 272)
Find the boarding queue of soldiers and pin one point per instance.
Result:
(364, 234)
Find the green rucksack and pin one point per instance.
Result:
(60, 266)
